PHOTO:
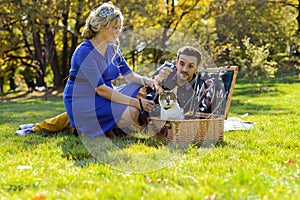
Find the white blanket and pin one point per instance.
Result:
(234, 123)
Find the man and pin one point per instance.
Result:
(181, 74)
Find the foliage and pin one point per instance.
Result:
(47, 32)
(268, 24)
(41, 33)
(254, 61)
(262, 163)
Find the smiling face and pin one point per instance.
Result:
(112, 32)
(186, 68)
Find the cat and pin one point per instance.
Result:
(169, 107)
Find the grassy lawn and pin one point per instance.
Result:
(262, 163)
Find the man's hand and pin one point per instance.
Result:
(163, 74)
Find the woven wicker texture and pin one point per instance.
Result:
(187, 131)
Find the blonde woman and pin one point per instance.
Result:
(93, 106)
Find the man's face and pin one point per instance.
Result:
(186, 67)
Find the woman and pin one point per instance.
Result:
(94, 107)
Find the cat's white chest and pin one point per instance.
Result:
(174, 112)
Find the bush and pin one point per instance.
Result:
(253, 61)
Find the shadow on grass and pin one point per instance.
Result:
(272, 105)
(75, 148)
(250, 91)
(269, 87)
(120, 153)
(240, 108)
(49, 93)
(29, 111)
(133, 155)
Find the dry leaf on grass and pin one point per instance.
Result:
(40, 197)
(290, 162)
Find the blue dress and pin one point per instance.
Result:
(89, 112)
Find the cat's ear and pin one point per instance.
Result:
(175, 90)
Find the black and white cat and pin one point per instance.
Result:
(169, 107)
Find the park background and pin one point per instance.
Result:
(259, 36)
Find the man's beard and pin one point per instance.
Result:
(183, 78)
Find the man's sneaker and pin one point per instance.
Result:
(24, 132)
(25, 126)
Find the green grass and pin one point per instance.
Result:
(248, 165)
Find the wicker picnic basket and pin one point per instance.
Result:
(199, 128)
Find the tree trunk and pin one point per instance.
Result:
(38, 55)
(298, 18)
(52, 56)
(65, 57)
(76, 33)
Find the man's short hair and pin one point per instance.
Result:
(190, 51)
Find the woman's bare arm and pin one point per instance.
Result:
(136, 78)
(115, 96)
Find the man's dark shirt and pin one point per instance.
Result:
(184, 93)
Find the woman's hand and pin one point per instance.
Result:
(146, 104)
(149, 82)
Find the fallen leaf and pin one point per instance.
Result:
(249, 100)
(290, 162)
(89, 156)
(244, 115)
(40, 197)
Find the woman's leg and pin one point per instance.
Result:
(131, 114)
(129, 117)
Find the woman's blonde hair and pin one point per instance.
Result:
(100, 18)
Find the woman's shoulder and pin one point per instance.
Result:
(84, 50)
(86, 44)
(85, 47)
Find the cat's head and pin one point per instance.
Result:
(167, 99)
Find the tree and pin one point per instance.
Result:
(43, 32)
(268, 24)
(47, 32)
(162, 26)
(254, 60)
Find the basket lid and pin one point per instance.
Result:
(221, 82)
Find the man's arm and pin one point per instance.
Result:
(163, 72)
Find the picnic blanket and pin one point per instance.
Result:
(235, 123)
